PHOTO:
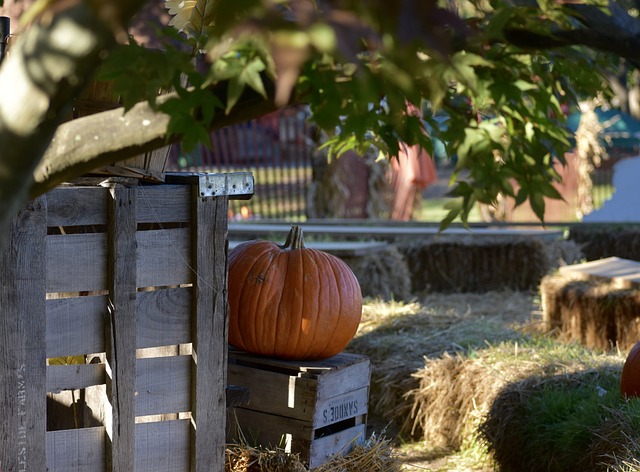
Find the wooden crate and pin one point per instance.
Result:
(316, 409)
(106, 272)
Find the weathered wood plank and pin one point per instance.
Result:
(75, 326)
(619, 270)
(120, 342)
(22, 343)
(164, 317)
(163, 446)
(85, 206)
(76, 450)
(74, 376)
(163, 204)
(163, 385)
(77, 206)
(339, 443)
(163, 257)
(210, 325)
(77, 262)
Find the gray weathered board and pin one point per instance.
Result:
(624, 272)
(146, 270)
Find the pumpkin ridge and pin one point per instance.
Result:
(243, 311)
(241, 273)
(296, 262)
(270, 313)
(265, 319)
(238, 272)
(345, 278)
(335, 279)
(293, 306)
(311, 307)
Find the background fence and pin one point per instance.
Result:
(276, 148)
(279, 149)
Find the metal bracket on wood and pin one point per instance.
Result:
(235, 185)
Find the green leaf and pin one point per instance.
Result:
(250, 75)
(234, 91)
(450, 216)
(550, 191)
(201, 18)
(537, 205)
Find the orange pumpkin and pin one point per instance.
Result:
(630, 378)
(290, 301)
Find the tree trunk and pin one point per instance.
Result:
(39, 79)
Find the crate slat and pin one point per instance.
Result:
(22, 350)
(86, 206)
(75, 326)
(313, 408)
(209, 378)
(163, 385)
(74, 376)
(120, 329)
(163, 257)
(322, 449)
(163, 204)
(76, 450)
(76, 262)
(77, 206)
(163, 446)
(276, 392)
(164, 317)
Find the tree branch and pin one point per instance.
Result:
(84, 144)
(616, 33)
(39, 79)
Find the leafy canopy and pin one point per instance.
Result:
(358, 65)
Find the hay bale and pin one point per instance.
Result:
(468, 264)
(453, 396)
(482, 398)
(398, 336)
(383, 274)
(600, 241)
(590, 311)
(603, 443)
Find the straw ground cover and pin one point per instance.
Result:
(468, 382)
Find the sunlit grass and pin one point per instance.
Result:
(434, 210)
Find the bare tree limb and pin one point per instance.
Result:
(87, 143)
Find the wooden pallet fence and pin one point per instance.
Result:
(118, 292)
(316, 409)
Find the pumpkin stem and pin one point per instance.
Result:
(295, 239)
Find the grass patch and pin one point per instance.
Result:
(434, 210)
(569, 421)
